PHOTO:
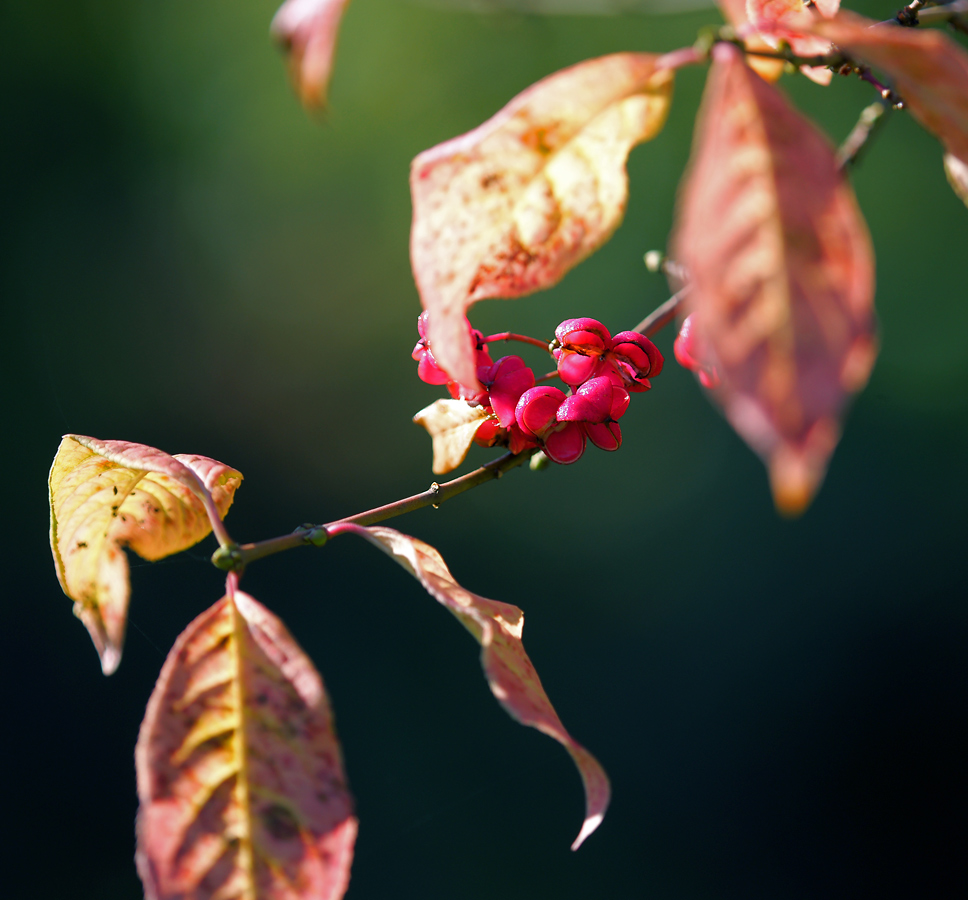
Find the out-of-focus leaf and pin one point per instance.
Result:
(782, 275)
(240, 778)
(778, 21)
(308, 30)
(957, 172)
(734, 12)
(510, 207)
(106, 495)
(509, 672)
(929, 71)
(452, 425)
(584, 7)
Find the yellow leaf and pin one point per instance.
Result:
(107, 495)
(452, 425)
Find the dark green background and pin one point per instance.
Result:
(191, 261)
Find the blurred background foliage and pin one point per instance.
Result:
(191, 261)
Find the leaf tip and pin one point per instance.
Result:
(588, 826)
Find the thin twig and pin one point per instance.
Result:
(658, 319)
(235, 558)
(523, 338)
(870, 121)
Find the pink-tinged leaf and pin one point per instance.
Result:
(106, 495)
(778, 22)
(929, 71)
(240, 777)
(510, 207)
(308, 30)
(452, 426)
(509, 672)
(782, 275)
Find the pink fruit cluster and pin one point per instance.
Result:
(601, 372)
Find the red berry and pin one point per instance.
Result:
(690, 352)
(537, 409)
(591, 402)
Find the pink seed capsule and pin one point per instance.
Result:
(592, 402)
(567, 445)
(508, 378)
(607, 436)
(689, 352)
(537, 408)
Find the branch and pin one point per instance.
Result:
(869, 123)
(234, 558)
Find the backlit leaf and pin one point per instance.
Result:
(510, 207)
(782, 276)
(240, 778)
(106, 495)
(734, 11)
(308, 29)
(778, 22)
(509, 672)
(929, 71)
(452, 425)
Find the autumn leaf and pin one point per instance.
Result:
(106, 495)
(734, 12)
(782, 276)
(452, 426)
(510, 207)
(308, 30)
(929, 71)
(509, 672)
(778, 22)
(240, 777)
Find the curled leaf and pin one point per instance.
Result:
(510, 207)
(929, 71)
(452, 426)
(509, 672)
(106, 495)
(308, 30)
(734, 12)
(240, 777)
(782, 275)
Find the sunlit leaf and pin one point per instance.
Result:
(106, 495)
(452, 425)
(957, 172)
(782, 276)
(929, 71)
(734, 12)
(510, 207)
(778, 22)
(240, 778)
(308, 30)
(509, 672)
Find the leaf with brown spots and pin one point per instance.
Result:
(452, 426)
(107, 495)
(929, 70)
(308, 30)
(510, 207)
(240, 777)
(497, 627)
(782, 275)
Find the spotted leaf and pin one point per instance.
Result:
(107, 495)
(510, 207)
